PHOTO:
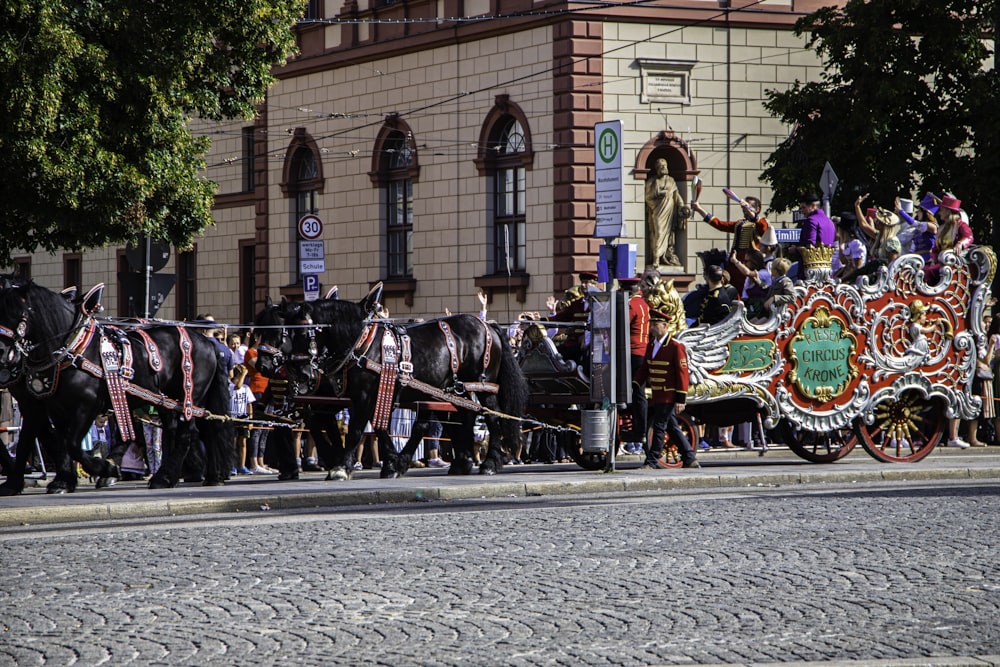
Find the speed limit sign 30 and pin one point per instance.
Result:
(310, 227)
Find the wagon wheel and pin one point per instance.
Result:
(570, 441)
(905, 429)
(818, 447)
(671, 456)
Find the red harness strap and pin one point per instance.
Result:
(152, 351)
(489, 345)
(187, 371)
(114, 378)
(387, 382)
(450, 342)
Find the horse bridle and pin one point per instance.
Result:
(278, 357)
(17, 343)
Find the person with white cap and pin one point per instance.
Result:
(851, 254)
(769, 244)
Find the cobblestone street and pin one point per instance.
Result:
(879, 572)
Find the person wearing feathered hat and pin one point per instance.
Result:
(665, 367)
(638, 327)
(954, 233)
(918, 235)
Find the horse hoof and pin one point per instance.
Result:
(213, 482)
(9, 491)
(337, 475)
(287, 476)
(161, 483)
(53, 490)
(105, 482)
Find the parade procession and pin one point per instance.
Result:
(887, 358)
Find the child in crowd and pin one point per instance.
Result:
(239, 407)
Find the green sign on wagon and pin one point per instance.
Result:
(749, 355)
(822, 352)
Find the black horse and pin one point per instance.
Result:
(55, 350)
(458, 359)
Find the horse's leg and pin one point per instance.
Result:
(194, 466)
(282, 438)
(170, 466)
(341, 462)
(460, 432)
(495, 455)
(396, 465)
(218, 436)
(326, 434)
(115, 456)
(218, 458)
(65, 479)
(392, 461)
(14, 484)
(6, 460)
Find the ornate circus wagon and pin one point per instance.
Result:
(839, 365)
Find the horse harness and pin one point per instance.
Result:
(116, 368)
(396, 368)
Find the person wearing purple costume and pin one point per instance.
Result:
(817, 227)
(923, 226)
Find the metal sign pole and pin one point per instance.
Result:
(147, 263)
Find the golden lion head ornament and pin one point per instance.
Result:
(661, 295)
(574, 293)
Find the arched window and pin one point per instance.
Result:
(395, 167)
(504, 158)
(508, 197)
(397, 158)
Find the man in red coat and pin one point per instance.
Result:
(665, 367)
(638, 327)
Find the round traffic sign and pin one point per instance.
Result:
(310, 226)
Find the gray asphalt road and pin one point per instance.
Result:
(835, 573)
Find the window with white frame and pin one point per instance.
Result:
(396, 162)
(508, 183)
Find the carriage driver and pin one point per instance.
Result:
(574, 307)
(665, 368)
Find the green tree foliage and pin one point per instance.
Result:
(907, 103)
(96, 95)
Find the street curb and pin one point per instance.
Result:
(629, 481)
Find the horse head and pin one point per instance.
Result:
(274, 344)
(14, 344)
(301, 357)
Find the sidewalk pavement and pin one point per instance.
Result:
(721, 469)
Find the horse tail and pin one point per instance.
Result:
(512, 396)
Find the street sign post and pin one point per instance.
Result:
(608, 164)
(312, 257)
(828, 182)
(310, 286)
